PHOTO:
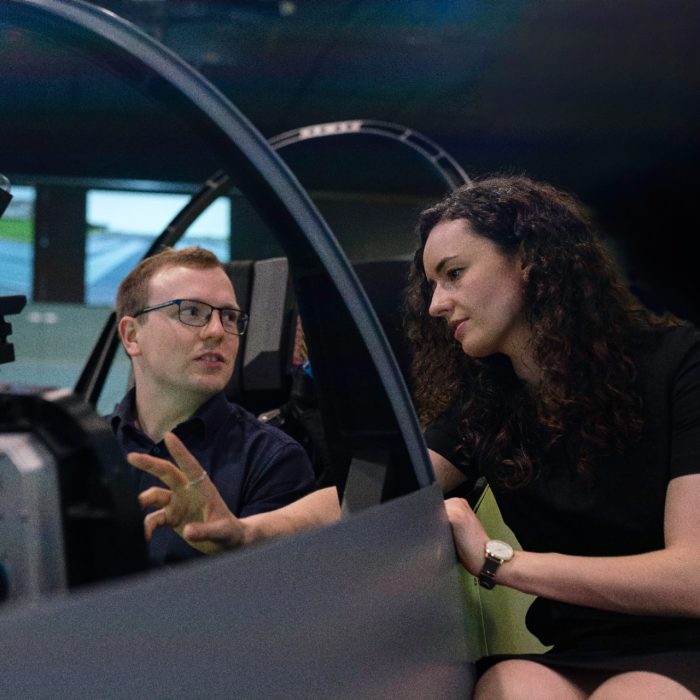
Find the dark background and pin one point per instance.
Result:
(599, 97)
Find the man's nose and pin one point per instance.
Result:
(214, 325)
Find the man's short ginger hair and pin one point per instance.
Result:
(132, 295)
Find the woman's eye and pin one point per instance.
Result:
(454, 273)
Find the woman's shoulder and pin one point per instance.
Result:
(667, 358)
(671, 342)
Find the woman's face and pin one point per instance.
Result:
(477, 290)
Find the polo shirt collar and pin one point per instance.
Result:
(201, 426)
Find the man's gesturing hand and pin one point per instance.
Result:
(191, 504)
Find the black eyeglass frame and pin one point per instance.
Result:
(243, 317)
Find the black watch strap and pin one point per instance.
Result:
(488, 572)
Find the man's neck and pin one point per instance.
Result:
(155, 417)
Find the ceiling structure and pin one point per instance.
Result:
(599, 97)
(572, 90)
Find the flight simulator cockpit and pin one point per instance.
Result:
(369, 607)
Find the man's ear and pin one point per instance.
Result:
(128, 332)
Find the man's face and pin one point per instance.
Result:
(182, 363)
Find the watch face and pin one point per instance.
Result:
(498, 549)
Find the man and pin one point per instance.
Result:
(180, 324)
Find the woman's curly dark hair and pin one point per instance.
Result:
(581, 315)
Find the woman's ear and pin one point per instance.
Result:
(128, 332)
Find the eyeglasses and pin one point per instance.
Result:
(198, 313)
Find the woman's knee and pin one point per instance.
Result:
(641, 685)
(517, 679)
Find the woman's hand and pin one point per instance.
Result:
(191, 504)
(469, 535)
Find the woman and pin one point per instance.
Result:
(534, 367)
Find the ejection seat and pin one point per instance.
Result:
(273, 378)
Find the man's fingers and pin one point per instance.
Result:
(166, 471)
(189, 466)
(155, 497)
(226, 532)
(153, 520)
(215, 531)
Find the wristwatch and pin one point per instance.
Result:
(496, 552)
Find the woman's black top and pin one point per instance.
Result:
(621, 511)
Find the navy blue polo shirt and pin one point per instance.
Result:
(255, 467)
